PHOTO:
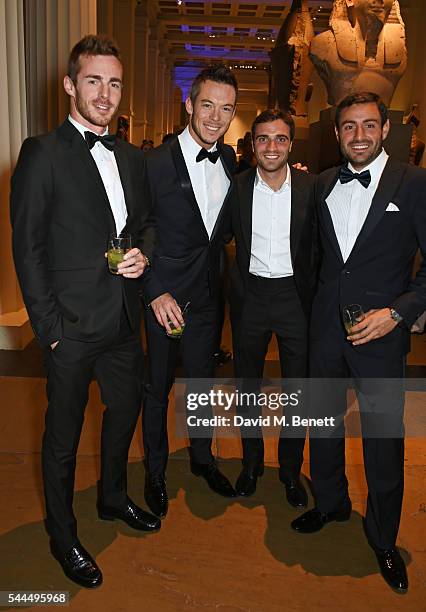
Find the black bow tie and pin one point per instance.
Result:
(346, 176)
(213, 156)
(108, 141)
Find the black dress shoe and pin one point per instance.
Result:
(132, 515)
(214, 478)
(156, 495)
(247, 480)
(79, 566)
(296, 493)
(314, 520)
(392, 568)
(222, 356)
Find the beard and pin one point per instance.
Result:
(90, 114)
(357, 163)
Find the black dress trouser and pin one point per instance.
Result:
(271, 305)
(196, 348)
(117, 366)
(379, 388)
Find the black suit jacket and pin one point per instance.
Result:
(184, 261)
(61, 220)
(303, 236)
(377, 273)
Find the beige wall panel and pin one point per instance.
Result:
(13, 128)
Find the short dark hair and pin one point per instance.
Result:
(363, 97)
(274, 114)
(90, 45)
(219, 73)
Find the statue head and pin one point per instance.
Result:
(385, 11)
(365, 9)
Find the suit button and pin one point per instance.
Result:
(344, 271)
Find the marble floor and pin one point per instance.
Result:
(212, 554)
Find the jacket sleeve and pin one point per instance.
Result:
(411, 304)
(31, 201)
(152, 286)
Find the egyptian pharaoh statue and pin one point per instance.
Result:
(291, 66)
(363, 51)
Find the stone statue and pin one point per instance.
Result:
(417, 146)
(363, 51)
(291, 66)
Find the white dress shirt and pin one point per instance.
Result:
(270, 237)
(108, 169)
(209, 181)
(349, 204)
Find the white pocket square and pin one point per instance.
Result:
(392, 207)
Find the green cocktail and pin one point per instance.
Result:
(117, 248)
(115, 256)
(176, 332)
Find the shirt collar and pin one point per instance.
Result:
(190, 146)
(259, 182)
(82, 128)
(376, 167)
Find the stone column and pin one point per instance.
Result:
(159, 97)
(140, 79)
(152, 80)
(124, 34)
(171, 102)
(166, 94)
(15, 331)
(179, 116)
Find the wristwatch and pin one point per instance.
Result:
(395, 316)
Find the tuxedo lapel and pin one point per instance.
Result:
(228, 171)
(184, 180)
(324, 213)
(85, 167)
(245, 197)
(124, 171)
(227, 163)
(299, 200)
(389, 182)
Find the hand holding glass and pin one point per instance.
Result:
(176, 332)
(352, 314)
(117, 247)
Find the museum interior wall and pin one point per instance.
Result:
(35, 39)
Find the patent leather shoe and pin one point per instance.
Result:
(156, 495)
(78, 566)
(392, 568)
(247, 480)
(222, 356)
(217, 481)
(131, 514)
(296, 493)
(314, 520)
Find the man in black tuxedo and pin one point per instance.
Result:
(188, 182)
(70, 190)
(372, 218)
(273, 281)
